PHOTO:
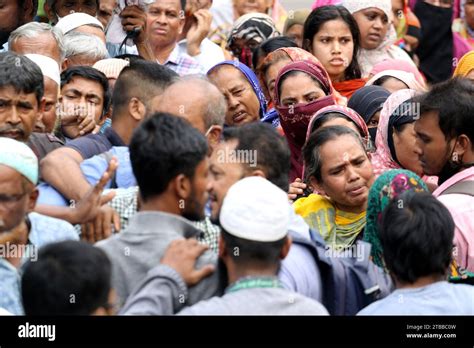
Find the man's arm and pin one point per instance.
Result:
(61, 169)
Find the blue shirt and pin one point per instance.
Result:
(44, 230)
(440, 298)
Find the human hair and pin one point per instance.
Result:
(271, 149)
(292, 73)
(331, 116)
(324, 14)
(81, 44)
(52, 4)
(453, 100)
(88, 73)
(380, 81)
(416, 234)
(312, 149)
(142, 80)
(262, 254)
(69, 278)
(163, 147)
(130, 57)
(34, 29)
(269, 46)
(22, 74)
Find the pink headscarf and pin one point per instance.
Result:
(321, 3)
(398, 64)
(382, 159)
(406, 77)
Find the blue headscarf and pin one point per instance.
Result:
(252, 79)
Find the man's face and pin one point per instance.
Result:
(106, 10)
(64, 7)
(224, 172)
(248, 6)
(435, 149)
(18, 113)
(46, 124)
(11, 17)
(15, 200)
(165, 22)
(44, 44)
(194, 205)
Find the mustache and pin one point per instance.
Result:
(7, 129)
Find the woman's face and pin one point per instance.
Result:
(272, 74)
(346, 174)
(333, 45)
(393, 84)
(373, 25)
(469, 13)
(295, 32)
(408, 152)
(397, 10)
(242, 102)
(300, 89)
(341, 121)
(374, 120)
(242, 7)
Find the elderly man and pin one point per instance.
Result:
(83, 49)
(14, 13)
(21, 230)
(38, 38)
(57, 9)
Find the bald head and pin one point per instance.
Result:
(197, 100)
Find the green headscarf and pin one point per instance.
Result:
(387, 187)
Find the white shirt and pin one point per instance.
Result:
(210, 55)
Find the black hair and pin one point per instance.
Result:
(142, 80)
(380, 81)
(272, 151)
(323, 14)
(252, 252)
(88, 73)
(69, 278)
(269, 46)
(311, 150)
(453, 100)
(416, 233)
(183, 4)
(129, 57)
(331, 116)
(163, 147)
(22, 74)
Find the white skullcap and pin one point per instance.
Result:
(19, 156)
(111, 67)
(357, 5)
(49, 67)
(76, 20)
(256, 210)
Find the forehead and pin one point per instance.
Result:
(374, 10)
(9, 176)
(10, 93)
(227, 76)
(83, 84)
(343, 148)
(221, 154)
(331, 26)
(61, 3)
(299, 80)
(168, 4)
(428, 123)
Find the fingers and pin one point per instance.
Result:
(87, 125)
(200, 274)
(107, 220)
(107, 197)
(109, 172)
(116, 221)
(87, 232)
(98, 228)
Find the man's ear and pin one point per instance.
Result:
(463, 144)
(214, 136)
(286, 248)
(182, 186)
(32, 198)
(41, 107)
(317, 185)
(136, 109)
(65, 64)
(258, 172)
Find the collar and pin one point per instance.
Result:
(113, 137)
(174, 56)
(157, 222)
(253, 282)
(461, 176)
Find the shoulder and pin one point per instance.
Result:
(46, 229)
(313, 202)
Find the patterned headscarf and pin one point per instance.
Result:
(386, 188)
(253, 26)
(251, 78)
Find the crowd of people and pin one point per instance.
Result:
(201, 157)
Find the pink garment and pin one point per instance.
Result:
(320, 3)
(462, 210)
(406, 77)
(401, 65)
(382, 159)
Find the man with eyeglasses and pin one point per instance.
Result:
(21, 230)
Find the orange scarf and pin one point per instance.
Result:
(347, 88)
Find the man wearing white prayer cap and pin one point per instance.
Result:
(253, 241)
(21, 230)
(52, 83)
(82, 23)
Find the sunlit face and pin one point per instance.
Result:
(300, 89)
(333, 45)
(373, 25)
(165, 22)
(346, 174)
(242, 102)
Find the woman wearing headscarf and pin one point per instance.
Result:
(294, 25)
(368, 102)
(386, 188)
(331, 34)
(395, 80)
(465, 67)
(463, 29)
(377, 34)
(245, 99)
(302, 88)
(247, 33)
